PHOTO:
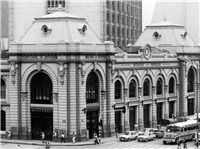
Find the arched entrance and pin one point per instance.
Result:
(41, 113)
(92, 104)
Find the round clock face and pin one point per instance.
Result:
(147, 53)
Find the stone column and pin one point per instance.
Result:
(140, 110)
(166, 115)
(154, 111)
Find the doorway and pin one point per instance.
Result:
(132, 117)
(190, 106)
(146, 113)
(118, 121)
(41, 122)
(159, 113)
(92, 123)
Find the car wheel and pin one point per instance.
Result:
(138, 140)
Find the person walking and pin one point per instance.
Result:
(96, 141)
(9, 134)
(47, 145)
(184, 145)
(74, 138)
(116, 131)
(179, 144)
(55, 136)
(43, 136)
(62, 138)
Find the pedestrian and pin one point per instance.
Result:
(18, 146)
(9, 134)
(136, 127)
(179, 144)
(43, 136)
(62, 138)
(184, 145)
(116, 131)
(74, 138)
(47, 145)
(55, 136)
(96, 139)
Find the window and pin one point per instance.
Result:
(92, 88)
(146, 88)
(113, 31)
(41, 89)
(113, 18)
(159, 87)
(191, 80)
(118, 31)
(171, 85)
(3, 89)
(107, 30)
(113, 5)
(118, 89)
(132, 89)
(107, 4)
(54, 3)
(107, 17)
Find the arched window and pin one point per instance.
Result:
(146, 88)
(159, 87)
(92, 88)
(2, 120)
(118, 88)
(191, 80)
(132, 89)
(41, 89)
(3, 89)
(171, 85)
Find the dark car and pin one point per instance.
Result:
(165, 122)
(159, 133)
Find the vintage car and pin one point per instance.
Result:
(159, 133)
(128, 136)
(147, 136)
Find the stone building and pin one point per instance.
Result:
(117, 21)
(60, 77)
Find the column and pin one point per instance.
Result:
(166, 115)
(177, 101)
(154, 102)
(140, 110)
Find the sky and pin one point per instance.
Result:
(147, 12)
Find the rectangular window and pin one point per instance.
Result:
(107, 4)
(56, 3)
(113, 31)
(52, 3)
(64, 3)
(107, 30)
(113, 18)
(107, 17)
(49, 3)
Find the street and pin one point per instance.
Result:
(115, 144)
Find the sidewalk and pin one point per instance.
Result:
(39, 142)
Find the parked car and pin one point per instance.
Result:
(128, 136)
(159, 133)
(147, 136)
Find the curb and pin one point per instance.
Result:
(53, 144)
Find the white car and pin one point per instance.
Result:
(128, 136)
(146, 136)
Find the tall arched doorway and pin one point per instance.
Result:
(41, 112)
(3, 120)
(92, 104)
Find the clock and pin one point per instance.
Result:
(147, 52)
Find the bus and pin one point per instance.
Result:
(180, 131)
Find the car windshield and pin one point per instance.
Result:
(126, 133)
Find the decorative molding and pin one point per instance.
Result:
(13, 68)
(95, 66)
(39, 66)
(55, 97)
(83, 71)
(4, 108)
(24, 95)
(38, 57)
(61, 71)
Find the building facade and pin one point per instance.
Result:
(117, 21)
(61, 77)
